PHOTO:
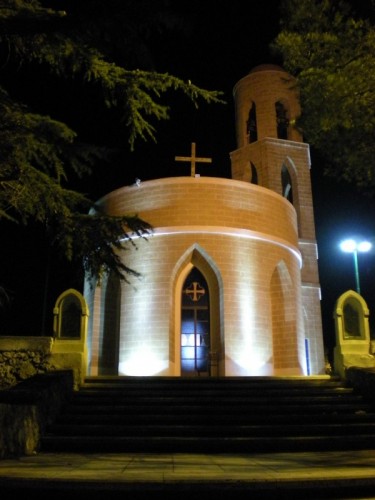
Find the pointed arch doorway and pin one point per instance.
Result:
(195, 325)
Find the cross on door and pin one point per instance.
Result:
(195, 291)
(193, 159)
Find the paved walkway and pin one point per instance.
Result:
(343, 474)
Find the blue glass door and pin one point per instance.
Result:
(195, 325)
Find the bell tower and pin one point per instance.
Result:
(271, 154)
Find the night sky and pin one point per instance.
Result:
(227, 39)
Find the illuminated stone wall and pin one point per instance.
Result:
(245, 235)
(23, 357)
(264, 86)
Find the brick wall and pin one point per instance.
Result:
(255, 249)
(239, 233)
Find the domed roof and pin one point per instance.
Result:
(267, 67)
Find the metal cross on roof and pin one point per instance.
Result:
(193, 159)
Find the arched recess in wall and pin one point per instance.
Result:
(70, 315)
(284, 321)
(286, 183)
(197, 257)
(251, 125)
(290, 188)
(109, 342)
(254, 174)
(282, 119)
(251, 173)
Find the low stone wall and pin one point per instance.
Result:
(22, 358)
(37, 375)
(27, 408)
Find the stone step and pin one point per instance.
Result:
(212, 382)
(213, 429)
(116, 408)
(211, 393)
(192, 418)
(212, 415)
(209, 399)
(94, 391)
(165, 444)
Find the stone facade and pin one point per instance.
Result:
(22, 358)
(29, 407)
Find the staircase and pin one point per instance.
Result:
(209, 415)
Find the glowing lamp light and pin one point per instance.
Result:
(348, 246)
(364, 246)
(142, 362)
(353, 246)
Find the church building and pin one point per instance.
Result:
(229, 278)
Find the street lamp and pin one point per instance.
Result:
(352, 246)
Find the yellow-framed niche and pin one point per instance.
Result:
(70, 322)
(351, 316)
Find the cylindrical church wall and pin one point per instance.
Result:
(246, 231)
